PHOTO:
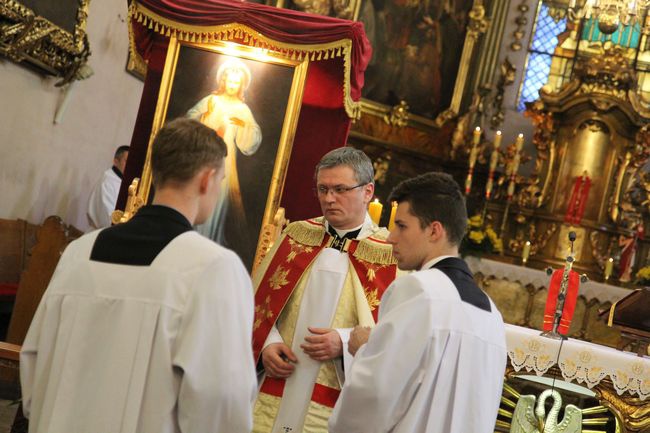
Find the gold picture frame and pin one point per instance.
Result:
(26, 37)
(275, 109)
(477, 24)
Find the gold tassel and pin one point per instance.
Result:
(327, 55)
(306, 233)
(156, 28)
(320, 55)
(193, 39)
(168, 32)
(293, 55)
(338, 53)
(375, 252)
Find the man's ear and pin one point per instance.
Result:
(436, 231)
(369, 192)
(206, 176)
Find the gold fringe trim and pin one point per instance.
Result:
(374, 252)
(306, 233)
(236, 31)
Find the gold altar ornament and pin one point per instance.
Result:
(374, 209)
(609, 267)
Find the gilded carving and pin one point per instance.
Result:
(632, 411)
(26, 37)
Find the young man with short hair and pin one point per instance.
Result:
(435, 361)
(146, 326)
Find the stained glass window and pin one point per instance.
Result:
(540, 55)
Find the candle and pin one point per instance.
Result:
(374, 209)
(477, 135)
(520, 142)
(526, 252)
(391, 221)
(497, 139)
(609, 267)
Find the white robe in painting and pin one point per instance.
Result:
(433, 364)
(246, 139)
(163, 348)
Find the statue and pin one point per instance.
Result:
(524, 420)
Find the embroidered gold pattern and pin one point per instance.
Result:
(263, 312)
(279, 278)
(372, 298)
(297, 249)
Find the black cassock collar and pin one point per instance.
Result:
(139, 241)
(459, 274)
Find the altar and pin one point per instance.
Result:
(614, 386)
(520, 294)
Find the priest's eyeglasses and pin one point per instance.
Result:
(322, 190)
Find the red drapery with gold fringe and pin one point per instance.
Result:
(338, 51)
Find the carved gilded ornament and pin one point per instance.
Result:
(26, 37)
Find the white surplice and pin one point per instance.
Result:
(103, 199)
(163, 348)
(433, 364)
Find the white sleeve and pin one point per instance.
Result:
(345, 363)
(29, 357)
(273, 337)
(214, 352)
(387, 370)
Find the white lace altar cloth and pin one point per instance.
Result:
(579, 361)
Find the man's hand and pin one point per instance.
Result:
(326, 344)
(358, 337)
(277, 359)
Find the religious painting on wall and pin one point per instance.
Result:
(417, 47)
(252, 100)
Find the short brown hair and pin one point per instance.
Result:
(435, 196)
(182, 148)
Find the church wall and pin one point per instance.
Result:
(50, 169)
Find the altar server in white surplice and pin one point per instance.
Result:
(146, 326)
(435, 361)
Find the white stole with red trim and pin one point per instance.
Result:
(319, 302)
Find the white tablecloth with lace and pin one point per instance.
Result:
(579, 361)
(590, 289)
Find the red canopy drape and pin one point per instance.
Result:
(338, 50)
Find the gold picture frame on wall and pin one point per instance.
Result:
(47, 35)
(252, 98)
(422, 53)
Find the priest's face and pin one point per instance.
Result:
(342, 199)
(411, 243)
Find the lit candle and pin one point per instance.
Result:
(391, 221)
(374, 209)
(520, 142)
(609, 267)
(526, 252)
(477, 135)
(497, 139)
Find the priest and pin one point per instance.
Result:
(436, 359)
(146, 326)
(322, 277)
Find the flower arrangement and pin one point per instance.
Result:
(480, 238)
(643, 276)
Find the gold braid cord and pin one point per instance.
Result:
(239, 32)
